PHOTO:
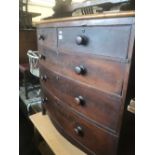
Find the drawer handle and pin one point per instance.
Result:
(79, 100)
(81, 40)
(43, 77)
(41, 37)
(78, 130)
(80, 69)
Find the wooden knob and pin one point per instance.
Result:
(78, 130)
(41, 37)
(43, 77)
(80, 69)
(81, 40)
(44, 100)
(42, 57)
(79, 100)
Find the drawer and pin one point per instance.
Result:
(80, 129)
(111, 41)
(47, 38)
(103, 109)
(93, 71)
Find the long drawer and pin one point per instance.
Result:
(94, 71)
(102, 108)
(80, 129)
(110, 40)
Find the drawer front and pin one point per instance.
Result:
(111, 41)
(81, 130)
(46, 37)
(99, 73)
(101, 108)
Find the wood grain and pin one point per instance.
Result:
(112, 41)
(86, 17)
(106, 107)
(69, 121)
(49, 40)
(102, 74)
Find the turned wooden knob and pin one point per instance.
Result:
(41, 37)
(44, 100)
(79, 100)
(78, 130)
(43, 77)
(81, 40)
(80, 69)
(42, 57)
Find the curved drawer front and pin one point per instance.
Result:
(111, 41)
(102, 108)
(100, 73)
(81, 130)
(46, 37)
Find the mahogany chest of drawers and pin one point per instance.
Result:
(84, 70)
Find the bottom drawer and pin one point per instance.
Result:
(80, 130)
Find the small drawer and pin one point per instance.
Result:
(47, 38)
(101, 108)
(93, 71)
(110, 41)
(79, 129)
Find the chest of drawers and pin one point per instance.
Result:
(84, 71)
